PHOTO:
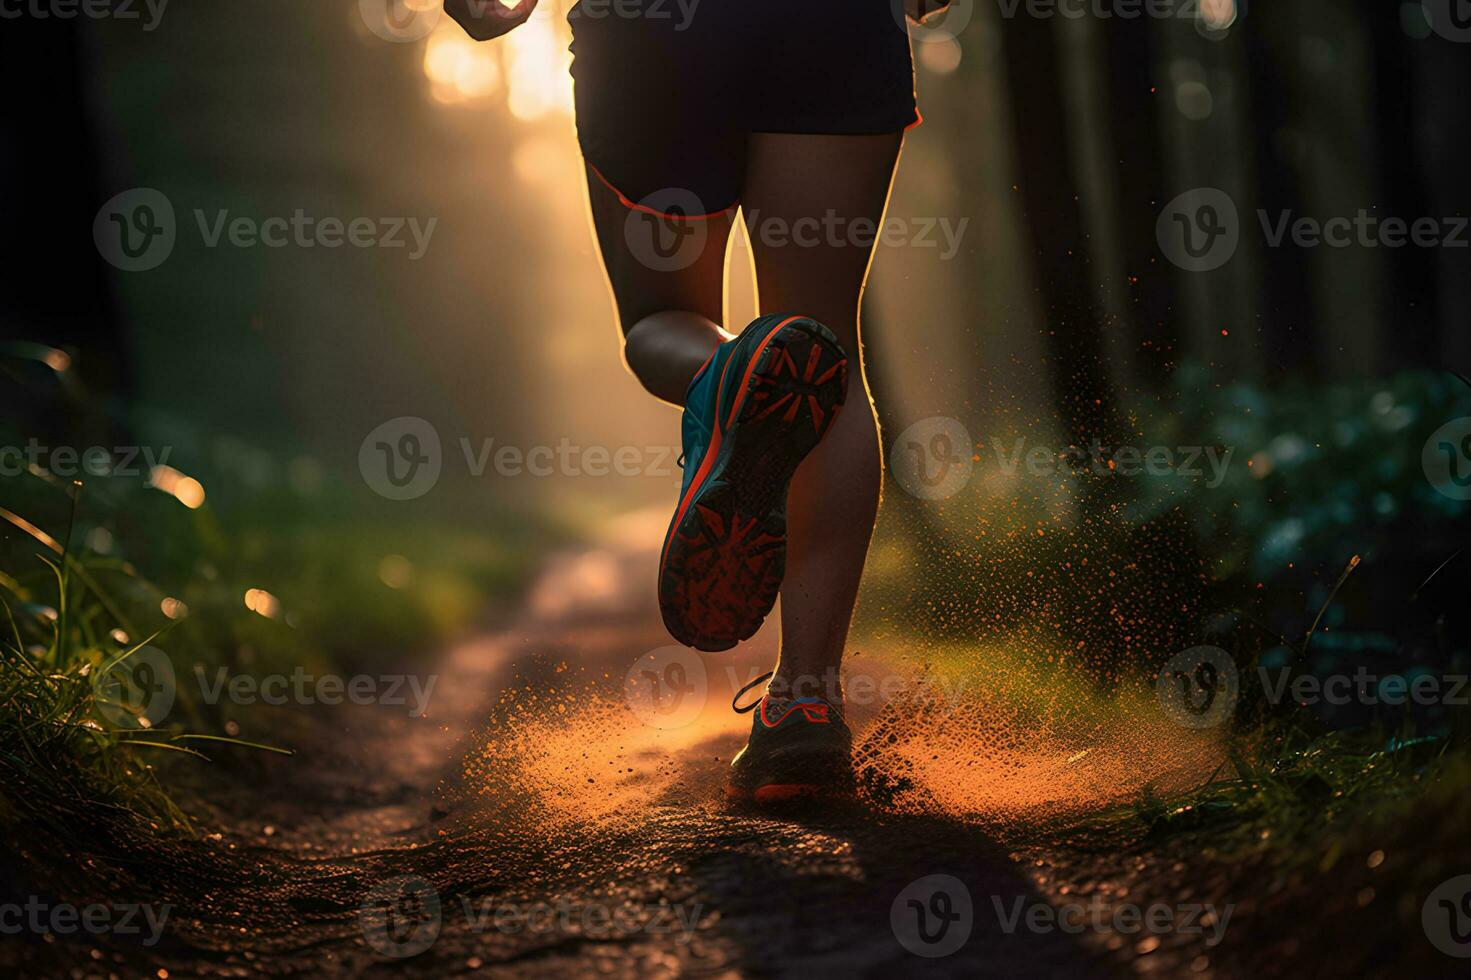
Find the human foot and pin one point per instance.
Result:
(800, 749)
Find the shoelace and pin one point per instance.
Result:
(735, 701)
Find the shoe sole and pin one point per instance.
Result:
(725, 553)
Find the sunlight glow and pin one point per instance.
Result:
(458, 68)
(940, 57)
(537, 160)
(396, 571)
(1218, 14)
(262, 602)
(537, 63)
(530, 65)
(185, 489)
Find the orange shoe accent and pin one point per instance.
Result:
(793, 792)
(815, 712)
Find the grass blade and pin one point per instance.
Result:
(165, 745)
(236, 741)
(134, 649)
(1306, 640)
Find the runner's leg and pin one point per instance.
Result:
(827, 194)
(669, 318)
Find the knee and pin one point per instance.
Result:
(641, 352)
(664, 349)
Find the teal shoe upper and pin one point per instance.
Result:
(700, 403)
(700, 412)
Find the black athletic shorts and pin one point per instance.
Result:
(667, 90)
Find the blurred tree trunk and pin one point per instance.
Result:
(1112, 78)
(55, 289)
(1056, 235)
(1207, 133)
(1440, 77)
(1408, 337)
(1285, 307)
(1314, 71)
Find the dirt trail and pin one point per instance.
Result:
(598, 848)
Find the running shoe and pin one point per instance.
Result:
(753, 412)
(800, 750)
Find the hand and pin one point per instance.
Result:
(486, 19)
(918, 10)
